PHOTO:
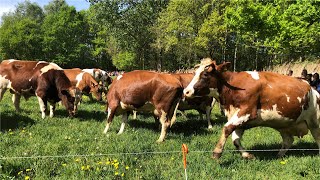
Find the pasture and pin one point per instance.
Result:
(76, 148)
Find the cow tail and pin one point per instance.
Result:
(176, 102)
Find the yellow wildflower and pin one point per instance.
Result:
(27, 170)
(116, 173)
(127, 167)
(26, 178)
(122, 174)
(283, 162)
(20, 172)
(64, 164)
(108, 162)
(77, 160)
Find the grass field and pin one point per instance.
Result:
(65, 148)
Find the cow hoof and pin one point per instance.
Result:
(216, 155)
(159, 140)
(248, 156)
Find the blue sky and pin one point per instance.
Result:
(9, 5)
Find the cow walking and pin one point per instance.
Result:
(144, 91)
(252, 99)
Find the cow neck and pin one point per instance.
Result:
(223, 82)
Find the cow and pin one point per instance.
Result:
(144, 91)
(250, 99)
(45, 80)
(100, 76)
(84, 82)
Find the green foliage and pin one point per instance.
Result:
(124, 60)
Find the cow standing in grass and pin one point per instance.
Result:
(144, 91)
(45, 80)
(84, 82)
(252, 99)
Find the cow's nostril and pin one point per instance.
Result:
(187, 92)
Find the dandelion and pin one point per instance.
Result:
(64, 164)
(99, 163)
(108, 162)
(127, 167)
(23, 131)
(116, 173)
(27, 178)
(77, 160)
(85, 168)
(27, 170)
(20, 172)
(97, 169)
(283, 162)
(122, 174)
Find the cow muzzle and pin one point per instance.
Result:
(188, 92)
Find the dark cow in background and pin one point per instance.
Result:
(144, 91)
(84, 82)
(252, 99)
(45, 80)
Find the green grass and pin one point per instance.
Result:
(65, 148)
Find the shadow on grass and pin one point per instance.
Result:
(270, 151)
(12, 120)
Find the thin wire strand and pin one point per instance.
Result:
(142, 153)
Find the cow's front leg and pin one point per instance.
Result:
(236, 139)
(208, 116)
(111, 113)
(287, 141)
(233, 123)
(52, 109)
(16, 101)
(164, 126)
(43, 106)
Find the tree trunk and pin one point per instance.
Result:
(235, 57)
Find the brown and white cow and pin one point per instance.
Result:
(45, 80)
(144, 91)
(84, 82)
(100, 76)
(252, 99)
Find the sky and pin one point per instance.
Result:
(9, 5)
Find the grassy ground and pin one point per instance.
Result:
(65, 148)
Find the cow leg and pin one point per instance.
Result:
(236, 139)
(287, 141)
(316, 135)
(164, 125)
(208, 116)
(2, 91)
(16, 101)
(228, 128)
(124, 121)
(110, 116)
(52, 109)
(134, 114)
(43, 106)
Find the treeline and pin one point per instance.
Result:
(163, 34)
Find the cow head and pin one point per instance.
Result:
(205, 80)
(70, 99)
(96, 89)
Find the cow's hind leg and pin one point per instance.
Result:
(236, 139)
(111, 113)
(124, 121)
(287, 141)
(43, 106)
(52, 109)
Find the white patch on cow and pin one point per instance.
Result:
(288, 98)
(235, 120)
(48, 67)
(12, 60)
(4, 83)
(254, 74)
(79, 78)
(164, 127)
(119, 77)
(299, 99)
(269, 86)
(42, 107)
(312, 113)
(270, 114)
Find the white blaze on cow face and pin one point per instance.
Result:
(189, 90)
(254, 74)
(79, 78)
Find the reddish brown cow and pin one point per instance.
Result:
(43, 79)
(144, 91)
(252, 99)
(84, 81)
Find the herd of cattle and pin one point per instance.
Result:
(249, 99)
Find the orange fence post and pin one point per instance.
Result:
(184, 153)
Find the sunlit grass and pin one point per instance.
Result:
(65, 148)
